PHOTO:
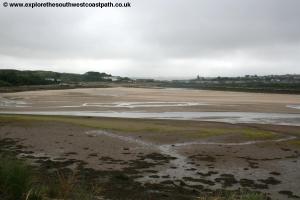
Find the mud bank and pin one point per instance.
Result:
(149, 161)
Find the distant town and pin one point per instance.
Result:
(288, 78)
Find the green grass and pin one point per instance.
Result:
(253, 196)
(295, 142)
(20, 181)
(190, 129)
(258, 134)
(229, 195)
(16, 178)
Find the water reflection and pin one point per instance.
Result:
(228, 117)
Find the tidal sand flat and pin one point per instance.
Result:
(178, 104)
(148, 100)
(159, 143)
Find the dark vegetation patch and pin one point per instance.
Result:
(204, 181)
(200, 157)
(150, 171)
(148, 161)
(191, 169)
(252, 184)
(293, 156)
(253, 165)
(11, 77)
(251, 162)
(209, 173)
(93, 155)
(275, 173)
(259, 159)
(227, 180)
(285, 149)
(289, 194)
(50, 173)
(55, 179)
(109, 160)
(154, 176)
(270, 181)
(70, 153)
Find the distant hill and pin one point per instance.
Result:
(10, 77)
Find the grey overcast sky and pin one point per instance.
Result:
(154, 38)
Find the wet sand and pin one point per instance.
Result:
(179, 104)
(148, 100)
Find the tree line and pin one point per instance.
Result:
(10, 77)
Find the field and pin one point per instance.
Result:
(124, 143)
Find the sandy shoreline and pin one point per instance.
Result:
(149, 100)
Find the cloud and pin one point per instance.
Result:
(156, 38)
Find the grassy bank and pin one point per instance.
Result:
(21, 181)
(190, 129)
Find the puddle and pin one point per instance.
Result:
(228, 117)
(142, 104)
(234, 143)
(57, 101)
(294, 106)
(178, 168)
(64, 107)
(12, 103)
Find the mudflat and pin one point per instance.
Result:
(194, 156)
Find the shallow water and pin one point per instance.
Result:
(4, 102)
(233, 143)
(293, 106)
(228, 117)
(133, 105)
(142, 104)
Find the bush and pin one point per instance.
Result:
(19, 181)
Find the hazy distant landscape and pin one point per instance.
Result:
(31, 80)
